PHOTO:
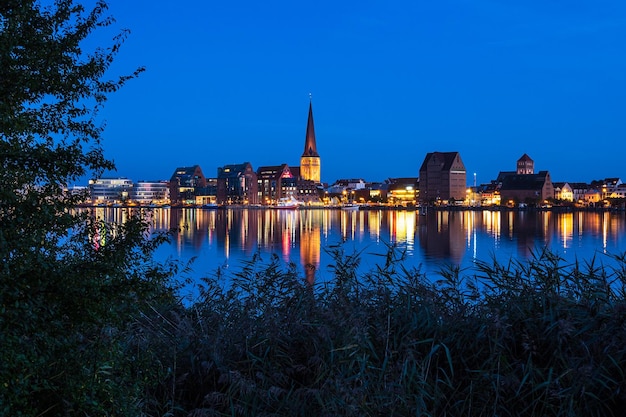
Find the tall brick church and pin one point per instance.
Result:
(310, 162)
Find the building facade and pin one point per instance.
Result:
(237, 184)
(110, 190)
(442, 178)
(184, 183)
(275, 183)
(310, 161)
(151, 192)
(563, 191)
(525, 165)
(527, 188)
(403, 191)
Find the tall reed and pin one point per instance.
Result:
(536, 337)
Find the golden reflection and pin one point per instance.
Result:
(491, 221)
(373, 222)
(545, 221)
(402, 228)
(605, 230)
(468, 225)
(361, 222)
(566, 225)
(310, 247)
(410, 229)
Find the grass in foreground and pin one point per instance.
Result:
(524, 338)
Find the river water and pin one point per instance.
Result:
(225, 238)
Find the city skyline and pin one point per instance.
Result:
(228, 83)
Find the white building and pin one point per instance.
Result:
(148, 192)
(110, 190)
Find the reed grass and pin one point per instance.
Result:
(533, 338)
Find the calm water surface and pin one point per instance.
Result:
(224, 238)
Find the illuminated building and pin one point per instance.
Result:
(402, 191)
(310, 163)
(618, 192)
(607, 186)
(146, 192)
(490, 194)
(579, 189)
(442, 177)
(274, 183)
(237, 184)
(184, 183)
(208, 193)
(110, 190)
(563, 191)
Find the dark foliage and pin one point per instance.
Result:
(67, 299)
(535, 338)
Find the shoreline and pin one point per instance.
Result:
(360, 207)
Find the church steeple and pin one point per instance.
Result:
(310, 164)
(310, 147)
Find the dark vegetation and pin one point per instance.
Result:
(535, 338)
(90, 325)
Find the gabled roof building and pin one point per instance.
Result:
(527, 188)
(237, 184)
(184, 183)
(563, 191)
(274, 183)
(442, 177)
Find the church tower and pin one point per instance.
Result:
(525, 165)
(310, 168)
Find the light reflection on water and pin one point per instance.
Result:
(226, 237)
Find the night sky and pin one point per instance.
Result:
(229, 81)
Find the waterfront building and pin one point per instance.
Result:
(310, 162)
(442, 177)
(275, 183)
(579, 189)
(403, 191)
(592, 197)
(606, 186)
(376, 192)
(527, 188)
(342, 185)
(237, 184)
(490, 194)
(563, 191)
(618, 192)
(208, 193)
(110, 190)
(150, 192)
(525, 165)
(184, 183)
(308, 191)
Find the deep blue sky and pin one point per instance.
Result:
(229, 81)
